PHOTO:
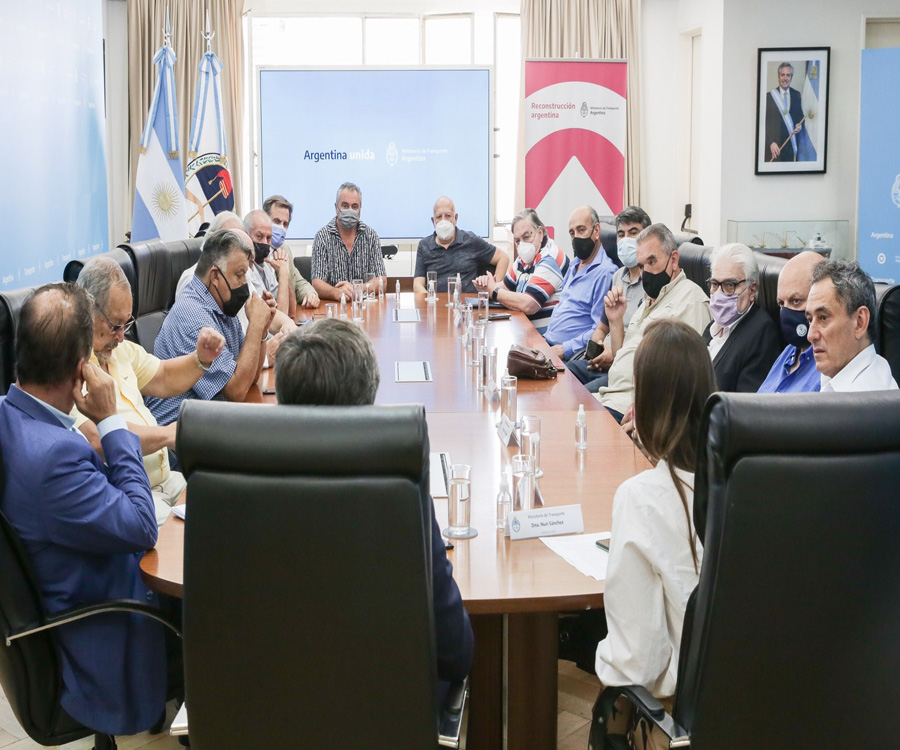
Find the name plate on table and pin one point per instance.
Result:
(412, 372)
(492, 392)
(561, 519)
(406, 316)
(506, 431)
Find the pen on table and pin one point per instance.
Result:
(602, 545)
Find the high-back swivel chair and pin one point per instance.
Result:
(791, 639)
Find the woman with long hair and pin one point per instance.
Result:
(654, 553)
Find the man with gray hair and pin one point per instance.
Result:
(137, 374)
(332, 362)
(668, 294)
(841, 314)
(346, 249)
(213, 298)
(742, 339)
(269, 271)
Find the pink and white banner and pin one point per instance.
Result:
(574, 138)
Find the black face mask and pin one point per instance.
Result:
(794, 326)
(582, 247)
(261, 251)
(239, 296)
(654, 282)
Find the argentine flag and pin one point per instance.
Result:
(207, 181)
(159, 206)
(809, 136)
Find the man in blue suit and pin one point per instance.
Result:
(84, 525)
(332, 363)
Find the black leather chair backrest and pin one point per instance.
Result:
(10, 307)
(795, 623)
(29, 667)
(182, 254)
(693, 259)
(769, 268)
(887, 325)
(303, 263)
(308, 565)
(682, 237)
(608, 240)
(73, 267)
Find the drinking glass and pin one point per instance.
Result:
(531, 441)
(370, 287)
(358, 290)
(451, 291)
(460, 503)
(483, 306)
(431, 284)
(523, 482)
(488, 365)
(477, 341)
(331, 309)
(509, 385)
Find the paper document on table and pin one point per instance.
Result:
(582, 552)
(412, 372)
(179, 511)
(439, 474)
(180, 722)
(406, 315)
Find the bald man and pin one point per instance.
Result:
(795, 370)
(450, 251)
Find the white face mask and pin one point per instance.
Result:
(527, 251)
(627, 249)
(444, 230)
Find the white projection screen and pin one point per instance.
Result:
(404, 135)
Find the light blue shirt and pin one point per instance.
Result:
(113, 422)
(805, 379)
(580, 305)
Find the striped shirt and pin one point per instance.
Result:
(542, 280)
(332, 263)
(193, 309)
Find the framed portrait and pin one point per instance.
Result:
(792, 110)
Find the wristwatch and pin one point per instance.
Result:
(494, 293)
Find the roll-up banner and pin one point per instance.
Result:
(879, 165)
(574, 139)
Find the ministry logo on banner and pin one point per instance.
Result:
(159, 209)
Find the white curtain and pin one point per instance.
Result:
(589, 29)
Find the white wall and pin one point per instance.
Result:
(835, 23)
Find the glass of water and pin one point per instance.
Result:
(509, 385)
(451, 291)
(358, 290)
(483, 306)
(523, 482)
(531, 441)
(370, 287)
(431, 285)
(331, 309)
(460, 503)
(477, 342)
(488, 365)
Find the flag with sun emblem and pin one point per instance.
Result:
(207, 181)
(159, 206)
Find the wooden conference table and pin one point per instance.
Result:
(512, 590)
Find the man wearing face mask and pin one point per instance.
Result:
(451, 251)
(795, 369)
(533, 281)
(742, 339)
(213, 298)
(668, 294)
(584, 287)
(270, 270)
(346, 249)
(591, 369)
(280, 210)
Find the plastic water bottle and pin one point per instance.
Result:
(397, 296)
(380, 289)
(581, 429)
(504, 501)
(343, 312)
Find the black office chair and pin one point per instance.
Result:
(303, 263)
(307, 583)
(389, 251)
(30, 672)
(11, 303)
(790, 641)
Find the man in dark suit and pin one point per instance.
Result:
(743, 340)
(784, 113)
(84, 525)
(332, 362)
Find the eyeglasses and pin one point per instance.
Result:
(114, 328)
(729, 286)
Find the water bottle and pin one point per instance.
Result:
(504, 501)
(581, 429)
(397, 295)
(343, 312)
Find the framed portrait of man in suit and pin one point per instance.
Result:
(792, 110)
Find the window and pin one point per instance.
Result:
(392, 41)
(507, 103)
(448, 40)
(307, 41)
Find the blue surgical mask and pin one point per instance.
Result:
(627, 249)
(278, 235)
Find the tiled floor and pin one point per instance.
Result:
(577, 692)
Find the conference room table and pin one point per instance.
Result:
(513, 590)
